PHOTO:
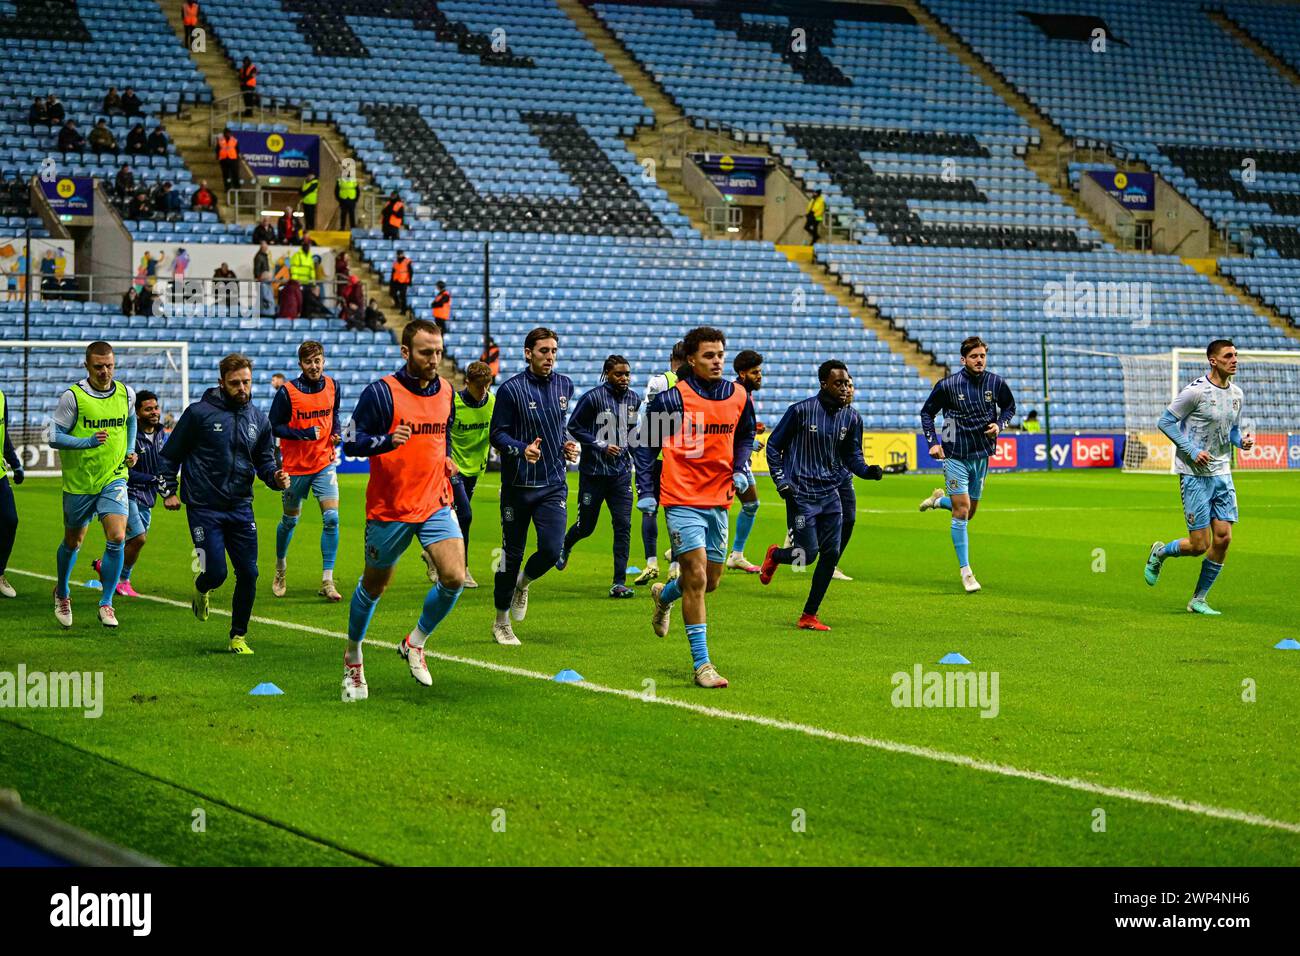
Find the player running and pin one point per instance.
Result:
(528, 430)
(602, 421)
(94, 431)
(649, 520)
(402, 423)
(222, 442)
(469, 450)
(848, 509)
(8, 508)
(748, 366)
(705, 428)
(816, 442)
(141, 487)
(977, 406)
(305, 417)
(1204, 423)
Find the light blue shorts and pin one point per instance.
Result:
(692, 528)
(79, 510)
(137, 519)
(965, 476)
(324, 485)
(386, 541)
(1207, 498)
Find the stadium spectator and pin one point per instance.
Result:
(352, 303)
(312, 307)
(442, 307)
(248, 85)
(144, 303)
(342, 269)
(130, 302)
(302, 268)
(102, 139)
(228, 158)
(140, 207)
(393, 217)
(262, 273)
(1031, 423)
(814, 215)
(225, 288)
(157, 142)
(70, 140)
(289, 231)
(112, 105)
(190, 20)
(203, 200)
(54, 109)
(131, 104)
(171, 205)
(308, 195)
(135, 140)
(399, 281)
(39, 114)
(264, 231)
(277, 382)
(492, 357)
(345, 191)
(124, 182)
(374, 318)
(290, 304)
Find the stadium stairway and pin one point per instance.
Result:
(1255, 303)
(649, 141)
(1041, 158)
(190, 133)
(925, 364)
(1248, 40)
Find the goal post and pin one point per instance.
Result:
(1269, 380)
(34, 372)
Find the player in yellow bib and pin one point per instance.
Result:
(93, 429)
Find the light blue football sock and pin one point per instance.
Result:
(283, 535)
(697, 634)
(1171, 550)
(1209, 571)
(945, 503)
(66, 561)
(329, 539)
(745, 524)
(110, 570)
(437, 605)
(360, 611)
(960, 542)
(671, 592)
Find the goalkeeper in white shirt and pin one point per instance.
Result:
(1204, 423)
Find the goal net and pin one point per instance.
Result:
(34, 373)
(1270, 382)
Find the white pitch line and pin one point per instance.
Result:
(890, 746)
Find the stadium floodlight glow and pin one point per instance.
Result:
(733, 229)
(273, 180)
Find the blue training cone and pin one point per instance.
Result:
(953, 658)
(567, 676)
(265, 690)
(1287, 644)
(633, 571)
(95, 583)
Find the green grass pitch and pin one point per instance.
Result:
(1111, 698)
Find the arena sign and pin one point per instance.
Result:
(70, 196)
(1131, 190)
(734, 175)
(279, 154)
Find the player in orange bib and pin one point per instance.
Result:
(705, 427)
(402, 423)
(305, 417)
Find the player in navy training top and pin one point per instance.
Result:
(528, 430)
(748, 366)
(977, 406)
(602, 421)
(817, 442)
